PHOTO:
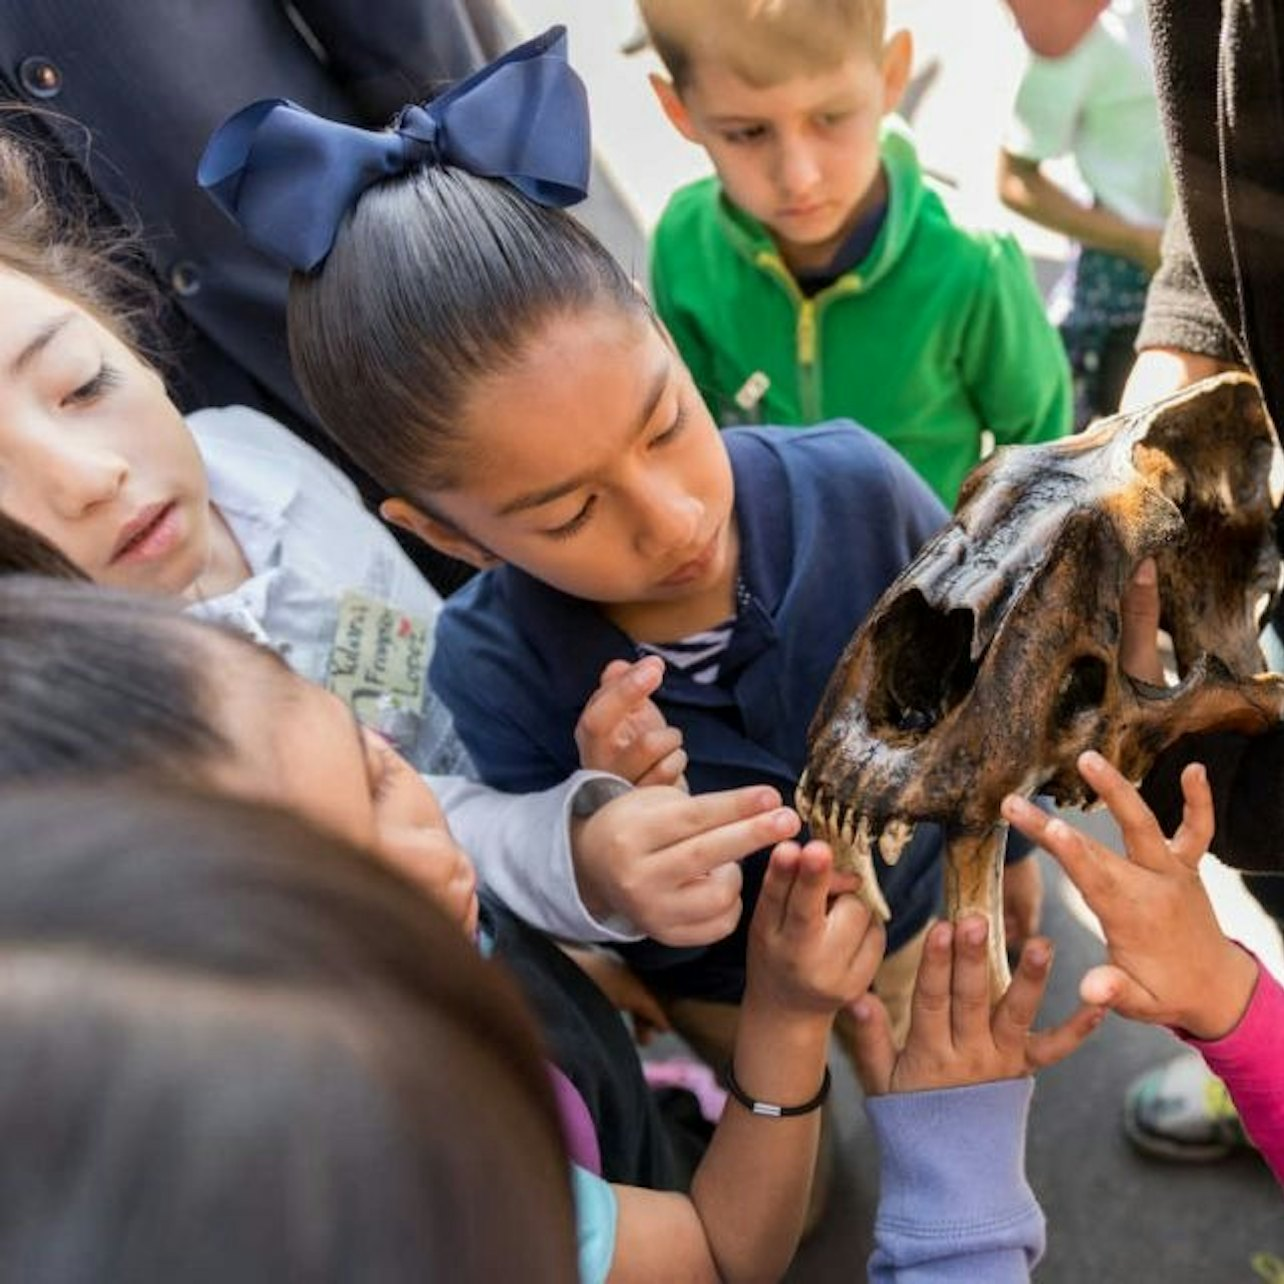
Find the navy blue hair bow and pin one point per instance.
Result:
(288, 177)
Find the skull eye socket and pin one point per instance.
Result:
(1082, 689)
(930, 668)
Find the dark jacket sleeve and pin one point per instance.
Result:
(410, 50)
(1246, 774)
(1179, 312)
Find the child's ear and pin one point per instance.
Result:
(898, 58)
(444, 537)
(673, 107)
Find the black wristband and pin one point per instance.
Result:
(765, 1108)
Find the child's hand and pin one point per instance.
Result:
(1022, 901)
(1138, 643)
(810, 954)
(622, 731)
(1169, 962)
(954, 1038)
(669, 863)
(624, 989)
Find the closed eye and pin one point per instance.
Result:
(576, 523)
(108, 377)
(674, 429)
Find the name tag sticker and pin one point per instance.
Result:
(378, 664)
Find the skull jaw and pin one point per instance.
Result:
(902, 787)
(974, 885)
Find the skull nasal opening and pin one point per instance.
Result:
(928, 666)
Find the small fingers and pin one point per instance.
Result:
(1047, 1047)
(621, 688)
(670, 770)
(930, 1005)
(1138, 645)
(664, 817)
(1111, 987)
(636, 756)
(1087, 864)
(1195, 832)
(778, 883)
(734, 841)
(970, 981)
(809, 898)
(1143, 839)
(872, 1046)
(1019, 1006)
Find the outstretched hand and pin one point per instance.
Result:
(813, 946)
(955, 1039)
(669, 863)
(623, 731)
(1169, 962)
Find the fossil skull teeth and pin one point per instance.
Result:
(896, 836)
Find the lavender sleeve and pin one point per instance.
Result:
(954, 1204)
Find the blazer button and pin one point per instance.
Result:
(40, 77)
(185, 279)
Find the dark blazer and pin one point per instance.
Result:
(134, 89)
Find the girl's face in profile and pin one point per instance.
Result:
(93, 454)
(594, 465)
(299, 746)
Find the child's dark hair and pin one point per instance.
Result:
(234, 1048)
(25, 552)
(95, 680)
(65, 252)
(436, 281)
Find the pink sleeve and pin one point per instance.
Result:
(1250, 1062)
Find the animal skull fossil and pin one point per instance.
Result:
(993, 660)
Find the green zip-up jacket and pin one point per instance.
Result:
(937, 336)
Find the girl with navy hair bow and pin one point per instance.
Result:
(474, 348)
(478, 351)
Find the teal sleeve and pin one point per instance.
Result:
(596, 1214)
(1013, 363)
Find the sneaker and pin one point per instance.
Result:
(1181, 1111)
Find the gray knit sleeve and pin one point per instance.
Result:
(1179, 312)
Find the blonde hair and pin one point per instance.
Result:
(762, 41)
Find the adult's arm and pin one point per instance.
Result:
(1182, 338)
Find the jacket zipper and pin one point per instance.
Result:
(809, 386)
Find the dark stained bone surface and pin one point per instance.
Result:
(993, 660)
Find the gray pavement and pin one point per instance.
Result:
(1114, 1218)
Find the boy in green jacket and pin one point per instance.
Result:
(817, 276)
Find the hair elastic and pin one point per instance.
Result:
(766, 1108)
